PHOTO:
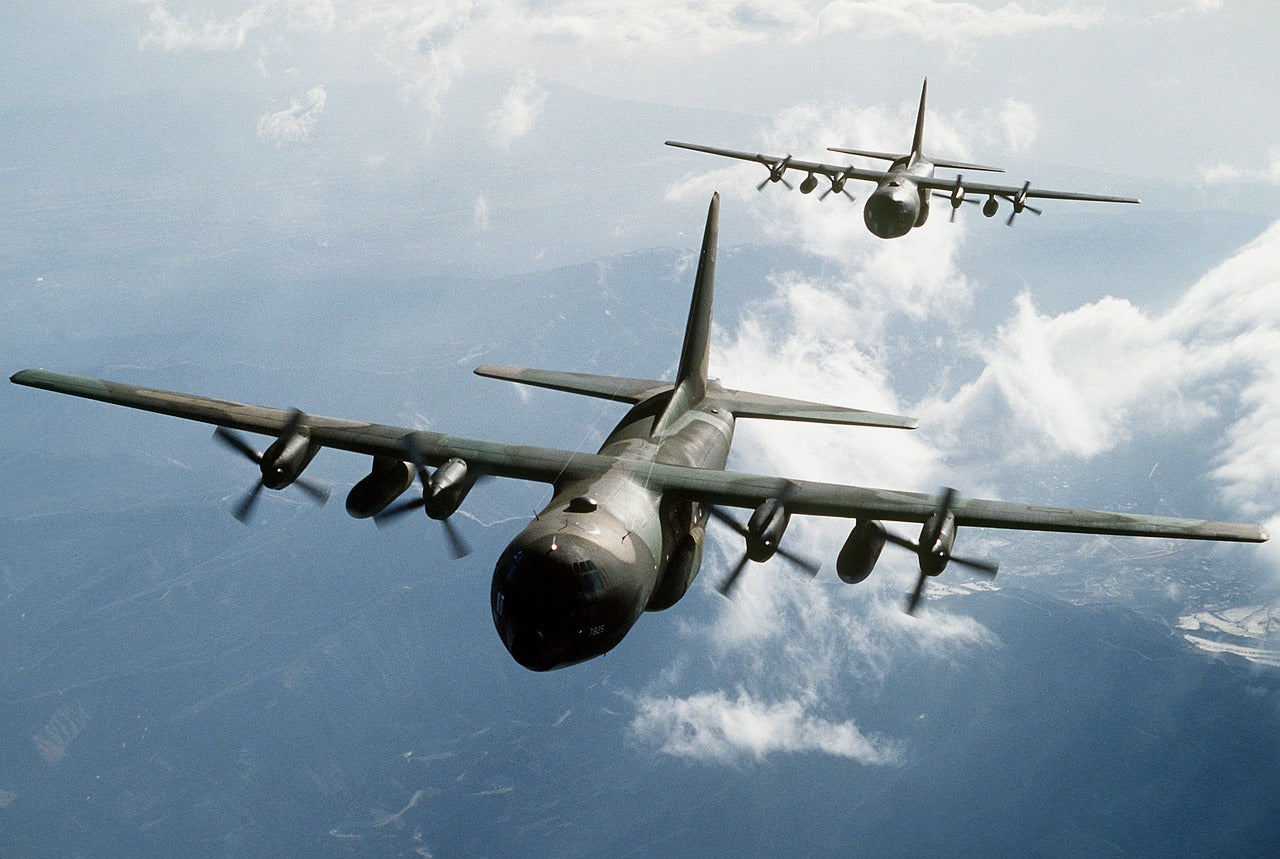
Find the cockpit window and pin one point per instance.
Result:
(589, 578)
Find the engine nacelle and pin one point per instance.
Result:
(448, 488)
(388, 479)
(936, 539)
(284, 461)
(860, 552)
(765, 529)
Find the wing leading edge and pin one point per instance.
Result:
(548, 465)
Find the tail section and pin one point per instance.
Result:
(691, 376)
(917, 142)
(691, 386)
(692, 373)
(917, 147)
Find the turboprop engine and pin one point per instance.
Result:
(762, 533)
(442, 494)
(281, 464)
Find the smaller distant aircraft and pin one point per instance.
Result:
(901, 199)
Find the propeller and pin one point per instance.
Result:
(762, 535)
(934, 548)
(457, 545)
(837, 185)
(280, 464)
(776, 174)
(450, 479)
(1020, 203)
(957, 196)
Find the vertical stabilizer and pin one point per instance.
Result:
(691, 377)
(697, 332)
(917, 142)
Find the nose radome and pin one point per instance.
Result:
(539, 599)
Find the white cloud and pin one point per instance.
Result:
(1084, 381)
(1059, 377)
(520, 109)
(1224, 173)
(940, 21)
(712, 727)
(172, 33)
(426, 45)
(1220, 172)
(294, 123)
(1020, 123)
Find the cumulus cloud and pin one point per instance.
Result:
(169, 32)
(712, 727)
(1020, 124)
(427, 45)
(294, 123)
(1080, 382)
(520, 109)
(941, 20)
(1224, 173)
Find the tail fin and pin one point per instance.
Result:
(917, 142)
(692, 373)
(691, 386)
(917, 146)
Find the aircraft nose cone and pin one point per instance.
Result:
(890, 213)
(541, 601)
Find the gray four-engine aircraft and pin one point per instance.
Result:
(901, 199)
(623, 532)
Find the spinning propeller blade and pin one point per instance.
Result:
(934, 548)
(730, 581)
(244, 510)
(457, 545)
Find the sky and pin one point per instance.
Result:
(214, 167)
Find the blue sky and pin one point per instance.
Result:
(211, 170)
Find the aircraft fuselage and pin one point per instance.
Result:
(898, 204)
(572, 584)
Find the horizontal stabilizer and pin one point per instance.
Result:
(615, 388)
(936, 162)
(961, 165)
(743, 404)
(883, 156)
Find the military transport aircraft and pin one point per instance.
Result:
(901, 199)
(623, 532)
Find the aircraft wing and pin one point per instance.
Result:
(491, 458)
(1009, 192)
(548, 465)
(858, 502)
(831, 171)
